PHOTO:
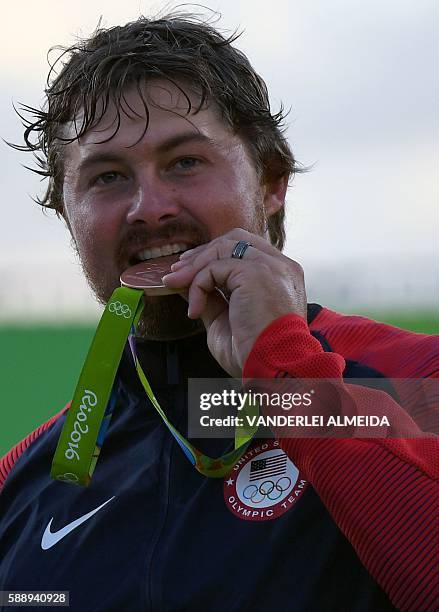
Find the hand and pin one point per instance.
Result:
(237, 298)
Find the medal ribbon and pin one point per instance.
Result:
(89, 415)
(94, 399)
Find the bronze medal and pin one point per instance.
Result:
(147, 275)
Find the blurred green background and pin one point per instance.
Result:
(40, 366)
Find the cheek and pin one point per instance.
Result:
(92, 232)
(76, 217)
(81, 229)
(229, 201)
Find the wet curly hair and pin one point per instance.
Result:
(179, 47)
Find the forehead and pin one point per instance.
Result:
(166, 108)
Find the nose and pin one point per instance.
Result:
(153, 204)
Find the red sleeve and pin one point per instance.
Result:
(8, 461)
(383, 493)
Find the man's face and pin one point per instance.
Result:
(187, 180)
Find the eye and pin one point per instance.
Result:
(107, 178)
(187, 163)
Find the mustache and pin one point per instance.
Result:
(137, 237)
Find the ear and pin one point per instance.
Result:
(274, 196)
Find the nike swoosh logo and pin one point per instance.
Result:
(50, 538)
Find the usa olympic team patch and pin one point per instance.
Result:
(264, 484)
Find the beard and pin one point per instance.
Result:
(163, 317)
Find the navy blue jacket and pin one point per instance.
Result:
(168, 538)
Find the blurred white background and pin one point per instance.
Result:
(361, 81)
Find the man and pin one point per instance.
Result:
(157, 137)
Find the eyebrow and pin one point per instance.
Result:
(164, 147)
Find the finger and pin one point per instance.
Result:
(208, 305)
(257, 241)
(220, 249)
(220, 273)
(214, 251)
(235, 235)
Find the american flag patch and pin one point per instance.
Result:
(271, 466)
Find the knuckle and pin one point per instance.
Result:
(237, 232)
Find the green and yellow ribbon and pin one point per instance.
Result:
(94, 399)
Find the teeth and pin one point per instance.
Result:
(166, 249)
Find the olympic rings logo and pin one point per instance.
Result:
(119, 309)
(267, 489)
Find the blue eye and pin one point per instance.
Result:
(187, 163)
(106, 178)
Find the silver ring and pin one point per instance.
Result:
(240, 249)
